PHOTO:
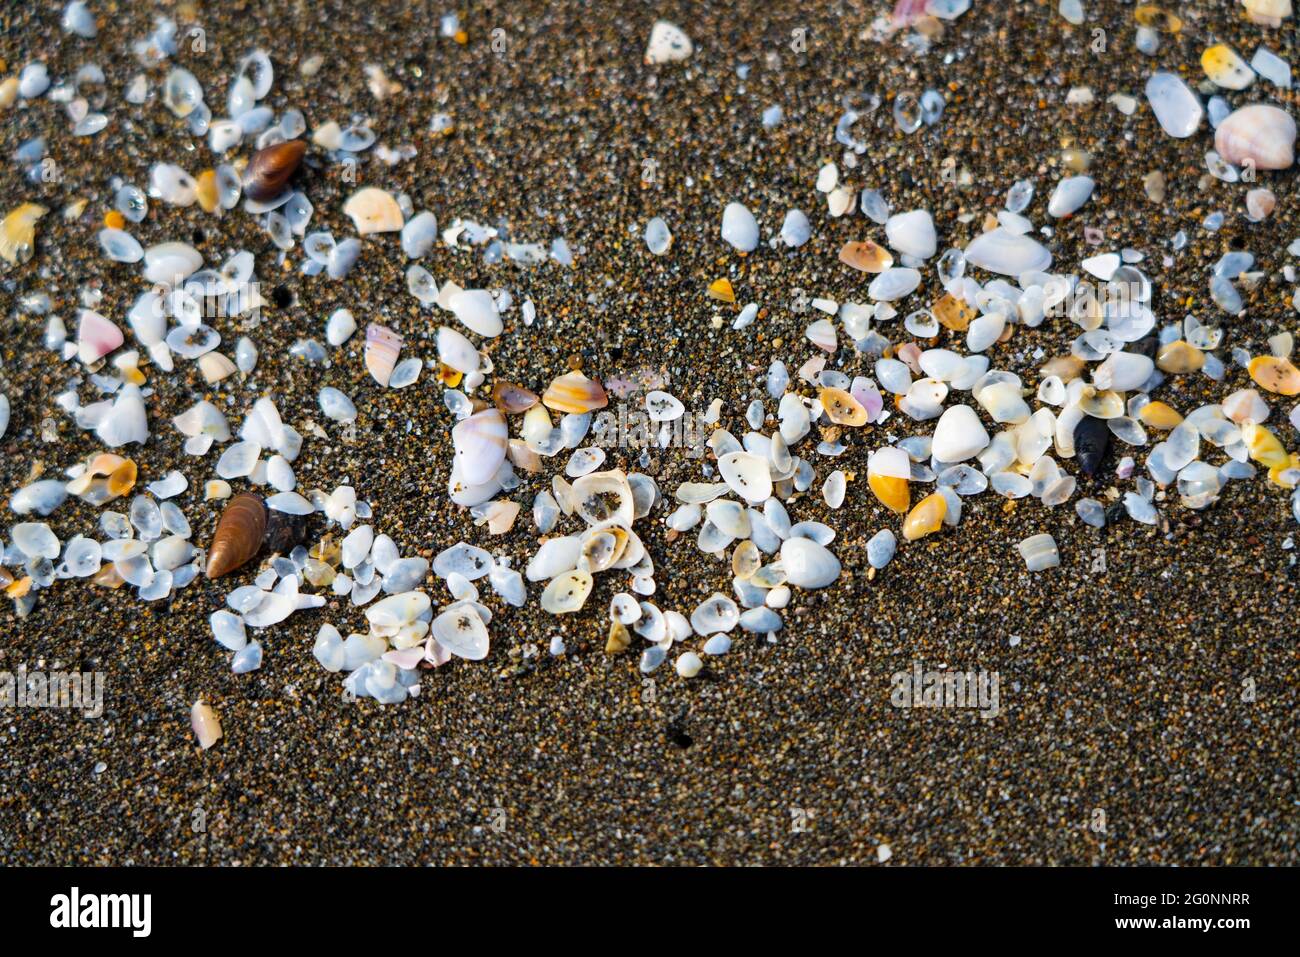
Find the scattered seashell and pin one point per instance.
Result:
(566, 593)
(382, 348)
(739, 228)
(1258, 134)
(926, 517)
(270, 169)
(239, 534)
(480, 443)
(18, 233)
(808, 564)
(477, 310)
(866, 256)
(1039, 552)
(205, 724)
(574, 393)
(374, 210)
(668, 44)
(1275, 374)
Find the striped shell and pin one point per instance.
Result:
(382, 348)
(239, 534)
(575, 393)
(480, 443)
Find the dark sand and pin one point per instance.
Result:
(1122, 694)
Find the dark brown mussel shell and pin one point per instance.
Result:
(270, 169)
(239, 535)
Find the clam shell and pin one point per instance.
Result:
(1006, 253)
(457, 352)
(96, 337)
(604, 497)
(807, 564)
(374, 210)
(747, 475)
(460, 630)
(717, 613)
(382, 348)
(239, 534)
(1258, 133)
(575, 393)
(512, 399)
(667, 44)
(566, 593)
(271, 168)
(477, 310)
(480, 444)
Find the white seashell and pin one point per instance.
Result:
(480, 443)
(658, 238)
(171, 263)
(398, 610)
(336, 405)
(41, 497)
(689, 664)
(668, 44)
(984, 331)
(216, 367)
(1039, 552)
(4, 414)
(1123, 371)
(1260, 134)
(959, 435)
(382, 348)
(912, 233)
(794, 417)
(1003, 402)
(460, 629)
(374, 211)
(126, 420)
(96, 337)
(477, 310)
(340, 326)
(894, 283)
(717, 613)
(747, 475)
(457, 352)
(205, 724)
(555, 557)
(1007, 254)
(739, 228)
(807, 564)
(566, 593)
(203, 418)
(1177, 108)
(662, 407)
(419, 234)
(1070, 193)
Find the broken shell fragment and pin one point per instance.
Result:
(239, 534)
(1039, 552)
(383, 346)
(374, 210)
(841, 408)
(18, 233)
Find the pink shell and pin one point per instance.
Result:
(1262, 134)
(96, 337)
(407, 658)
(435, 653)
(382, 348)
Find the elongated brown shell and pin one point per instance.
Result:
(270, 168)
(239, 534)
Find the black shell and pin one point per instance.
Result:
(1091, 442)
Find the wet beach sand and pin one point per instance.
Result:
(1121, 689)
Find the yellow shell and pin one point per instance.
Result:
(1275, 374)
(1180, 357)
(721, 289)
(18, 233)
(952, 313)
(841, 408)
(925, 518)
(1159, 416)
(206, 190)
(1264, 446)
(892, 492)
(1226, 68)
(1149, 15)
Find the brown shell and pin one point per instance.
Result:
(512, 399)
(239, 534)
(270, 168)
